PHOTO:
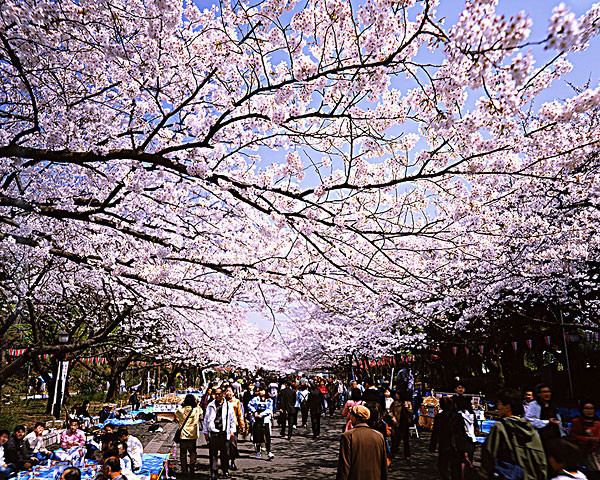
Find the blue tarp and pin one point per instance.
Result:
(152, 465)
(117, 422)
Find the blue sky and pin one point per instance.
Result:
(585, 63)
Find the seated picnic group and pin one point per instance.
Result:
(120, 452)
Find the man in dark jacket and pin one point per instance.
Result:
(15, 450)
(441, 437)
(373, 394)
(362, 450)
(316, 407)
(287, 407)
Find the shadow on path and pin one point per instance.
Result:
(305, 458)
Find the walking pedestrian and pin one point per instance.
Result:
(355, 399)
(362, 450)
(373, 394)
(303, 394)
(441, 437)
(248, 395)
(287, 408)
(261, 410)
(188, 417)
(465, 429)
(239, 423)
(401, 417)
(219, 429)
(544, 416)
(316, 406)
(333, 400)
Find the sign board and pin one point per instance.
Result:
(165, 407)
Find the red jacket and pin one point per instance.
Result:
(584, 435)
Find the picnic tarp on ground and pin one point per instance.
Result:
(129, 420)
(153, 467)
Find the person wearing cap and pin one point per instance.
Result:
(362, 450)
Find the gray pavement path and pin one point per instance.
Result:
(300, 458)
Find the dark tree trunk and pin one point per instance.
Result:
(113, 387)
(172, 376)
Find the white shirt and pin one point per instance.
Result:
(35, 443)
(227, 416)
(135, 451)
(570, 476)
(469, 420)
(2, 460)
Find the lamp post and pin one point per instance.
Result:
(61, 377)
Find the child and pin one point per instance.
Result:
(564, 458)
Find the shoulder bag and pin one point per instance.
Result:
(177, 437)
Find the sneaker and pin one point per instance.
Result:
(270, 455)
(258, 455)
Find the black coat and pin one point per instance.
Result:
(441, 436)
(316, 402)
(14, 452)
(287, 400)
(374, 395)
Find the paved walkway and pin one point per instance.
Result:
(300, 458)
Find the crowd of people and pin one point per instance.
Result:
(254, 408)
(229, 410)
(529, 441)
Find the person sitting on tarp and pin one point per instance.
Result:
(72, 441)
(105, 413)
(111, 470)
(70, 473)
(6, 469)
(34, 444)
(14, 450)
(134, 447)
(72, 436)
(108, 438)
(83, 414)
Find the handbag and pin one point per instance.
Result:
(177, 437)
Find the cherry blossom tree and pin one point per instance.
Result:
(352, 156)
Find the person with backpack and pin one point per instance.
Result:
(513, 449)
(303, 394)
